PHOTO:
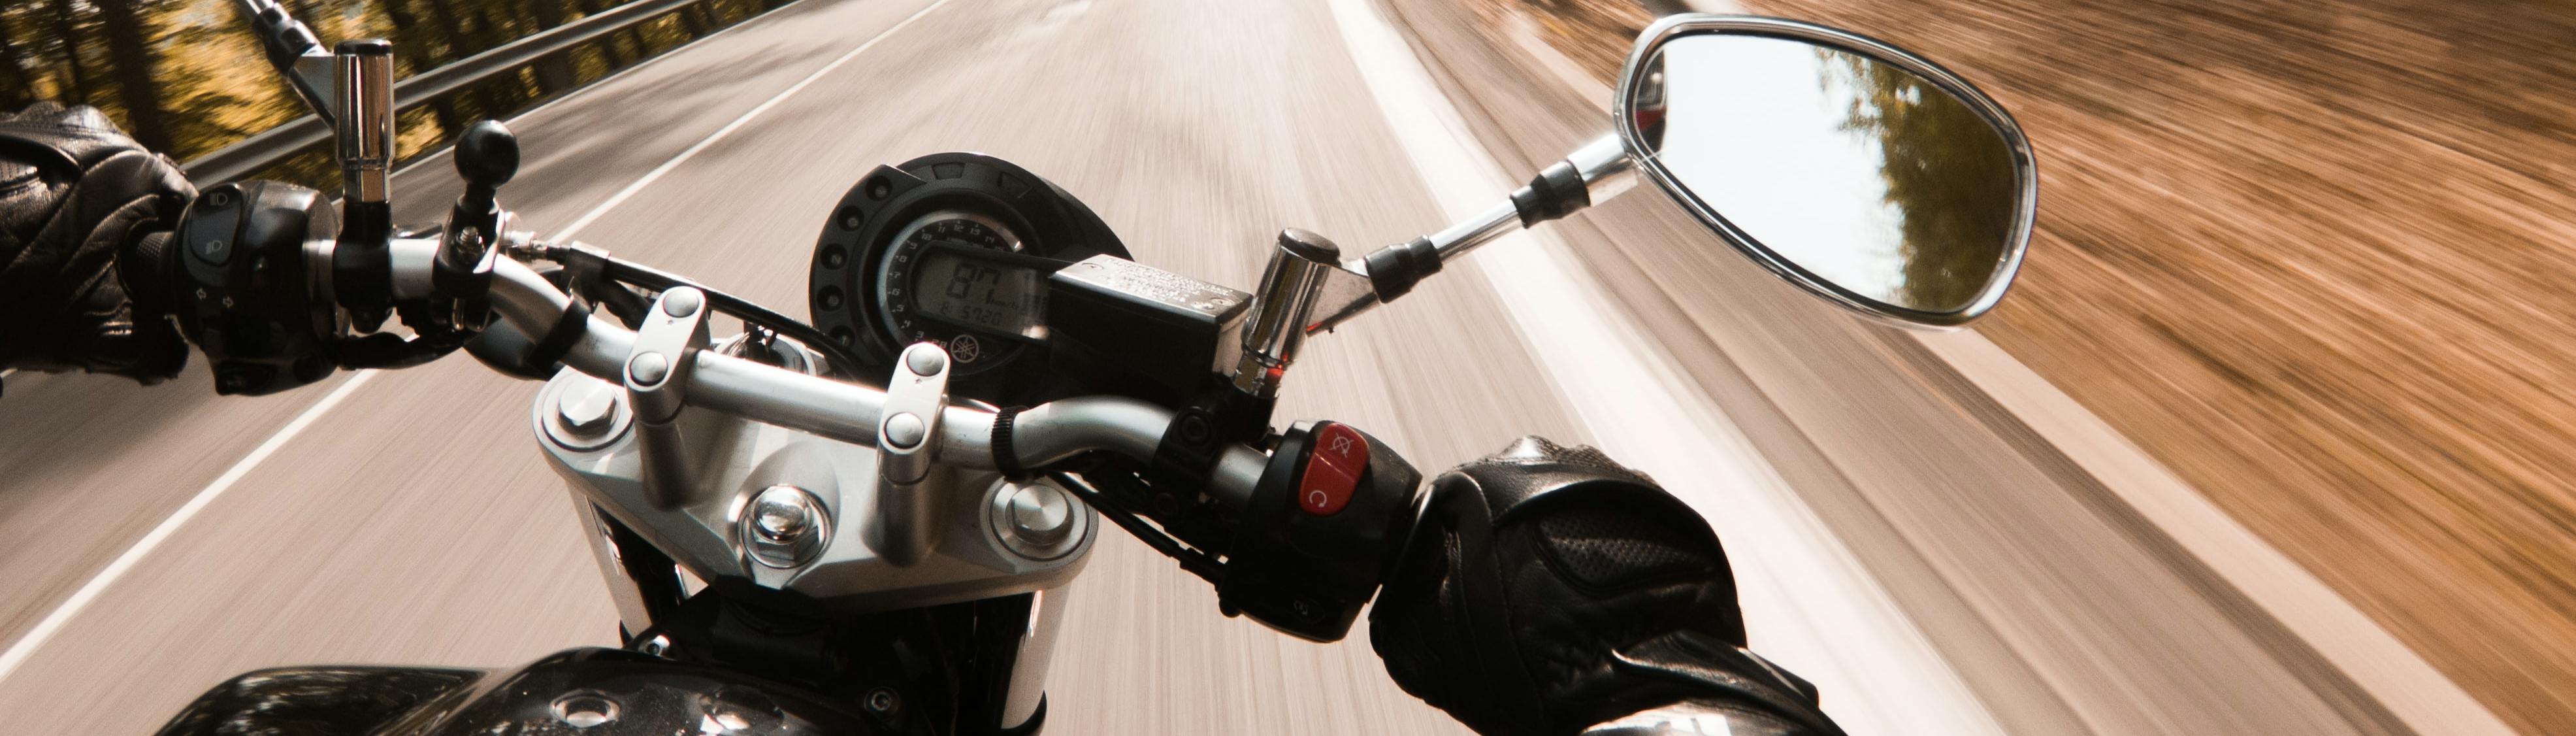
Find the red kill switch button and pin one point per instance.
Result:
(1333, 468)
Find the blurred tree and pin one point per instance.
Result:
(67, 38)
(693, 19)
(129, 45)
(415, 47)
(609, 46)
(1947, 171)
(21, 84)
(183, 77)
(555, 73)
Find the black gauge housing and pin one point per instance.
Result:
(954, 248)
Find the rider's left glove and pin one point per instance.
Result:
(77, 198)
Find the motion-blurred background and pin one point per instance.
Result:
(2306, 256)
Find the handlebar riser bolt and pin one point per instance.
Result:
(904, 431)
(680, 302)
(648, 369)
(925, 361)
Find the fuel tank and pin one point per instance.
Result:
(589, 691)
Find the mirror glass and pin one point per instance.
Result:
(1860, 173)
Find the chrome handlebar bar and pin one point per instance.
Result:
(849, 412)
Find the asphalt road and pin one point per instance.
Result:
(411, 521)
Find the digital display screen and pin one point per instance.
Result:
(966, 290)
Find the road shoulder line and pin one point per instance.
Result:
(1809, 601)
(35, 638)
(2385, 668)
(2392, 673)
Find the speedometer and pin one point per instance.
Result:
(950, 278)
(954, 249)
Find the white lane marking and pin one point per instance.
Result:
(1807, 601)
(62, 614)
(728, 129)
(2393, 674)
(26, 646)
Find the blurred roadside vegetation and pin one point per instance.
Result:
(186, 77)
(2312, 257)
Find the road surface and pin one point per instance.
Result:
(1925, 558)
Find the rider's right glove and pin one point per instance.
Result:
(77, 200)
(1548, 590)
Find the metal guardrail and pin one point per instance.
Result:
(276, 145)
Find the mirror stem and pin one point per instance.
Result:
(293, 50)
(1591, 175)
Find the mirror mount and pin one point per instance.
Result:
(296, 53)
(1592, 174)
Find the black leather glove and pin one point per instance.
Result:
(77, 198)
(1548, 590)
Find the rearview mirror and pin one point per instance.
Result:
(1860, 172)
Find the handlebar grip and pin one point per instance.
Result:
(145, 267)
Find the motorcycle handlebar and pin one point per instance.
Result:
(850, 412)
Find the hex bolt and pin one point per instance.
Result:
(1041, 514)
(784, 527)
(883, 700)
(586, 407)
(779, 517)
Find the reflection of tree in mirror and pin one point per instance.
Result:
(1948, 172)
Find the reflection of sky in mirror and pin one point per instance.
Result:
(1752, 131)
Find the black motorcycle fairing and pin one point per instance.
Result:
(949, 666)
(591, 691)
(317, 700)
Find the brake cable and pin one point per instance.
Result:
(1082, 485)
(842, 361)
